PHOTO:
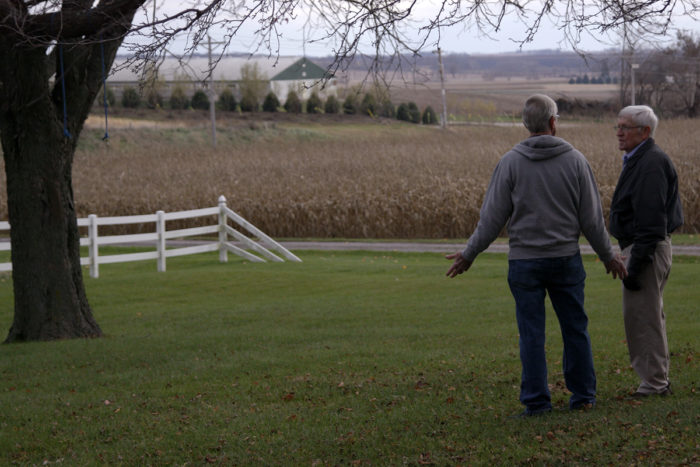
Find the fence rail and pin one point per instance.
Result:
(93, 241)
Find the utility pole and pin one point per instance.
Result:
(623, 59)
(212, 96)
(634, 66)
(442, 90)
(209, 84)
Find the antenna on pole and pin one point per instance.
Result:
(303, 33)
(303, 40)
(633, 66)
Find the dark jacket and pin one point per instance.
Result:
(646, 206)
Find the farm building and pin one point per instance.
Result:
(281, 74)
(302, 76)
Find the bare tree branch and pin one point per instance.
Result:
(352, 28)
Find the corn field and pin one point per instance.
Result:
(335, 180)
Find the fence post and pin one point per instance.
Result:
(160, 230)
(223, 252)
(93, 251)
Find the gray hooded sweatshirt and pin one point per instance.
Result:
(547, 190)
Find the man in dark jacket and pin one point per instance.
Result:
(545, 191)
(645, 209)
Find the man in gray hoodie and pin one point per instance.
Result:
(546, 192)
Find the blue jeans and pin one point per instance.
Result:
(563, 278)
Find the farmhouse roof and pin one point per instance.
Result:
(302, 69)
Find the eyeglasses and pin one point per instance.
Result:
(626, 128)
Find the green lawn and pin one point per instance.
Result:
(346, 358)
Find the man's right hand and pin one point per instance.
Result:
(616, 266)
(459, 266)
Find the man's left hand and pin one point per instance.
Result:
(616, 266)
(459, 266)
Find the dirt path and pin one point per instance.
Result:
(97, 121)
(425, 247)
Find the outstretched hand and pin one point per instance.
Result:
(616, 266)
(459, 266)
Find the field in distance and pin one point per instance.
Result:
(491, 98)
(308, 177)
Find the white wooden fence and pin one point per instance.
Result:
(93, 241)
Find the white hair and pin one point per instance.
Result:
(641, 115)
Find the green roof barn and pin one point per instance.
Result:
(302, 69)
(302, 76)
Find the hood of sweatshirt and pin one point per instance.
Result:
(542, 147)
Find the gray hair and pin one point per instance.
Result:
(641, 115)
(537, 112)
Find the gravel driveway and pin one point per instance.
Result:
(425, 247)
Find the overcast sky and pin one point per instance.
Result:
(453, 40)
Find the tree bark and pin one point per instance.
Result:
(50, 301)
(693, 107)
(40, 129)
(49, 294)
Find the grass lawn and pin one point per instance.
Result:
(346, 358)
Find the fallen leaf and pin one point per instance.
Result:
(420, 384)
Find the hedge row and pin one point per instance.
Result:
(368, 105)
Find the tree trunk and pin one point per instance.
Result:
(695, 101)
(40, 129)
(50, 301)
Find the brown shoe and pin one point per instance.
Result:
(642, 395)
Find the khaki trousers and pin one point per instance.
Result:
(645, 321)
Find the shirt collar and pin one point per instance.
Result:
(629, 155)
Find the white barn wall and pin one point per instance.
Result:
(192, 75)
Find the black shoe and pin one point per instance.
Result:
(584, 407)
(534, 413)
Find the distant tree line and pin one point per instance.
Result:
(536, 63)
(669, 79)
(227, 102)
(254, 95)
(594, 80)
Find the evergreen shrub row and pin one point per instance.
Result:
(227, 102)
